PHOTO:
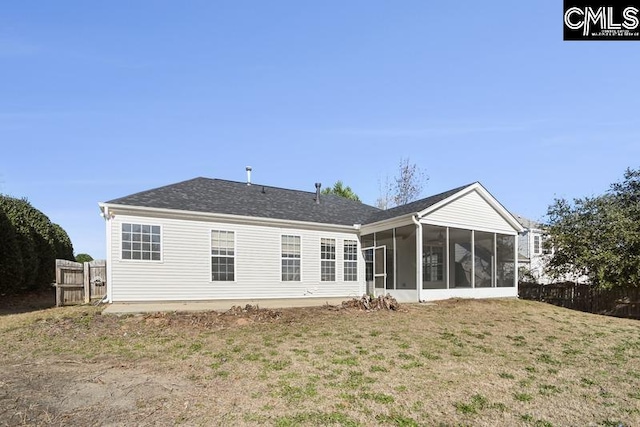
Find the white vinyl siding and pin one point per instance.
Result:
(222, 256)
(470, 212)
(185, 271)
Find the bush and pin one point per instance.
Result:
(11, 268)
(39, 242)
(84, 258)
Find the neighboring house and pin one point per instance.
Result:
(533, 257)
(207, 239)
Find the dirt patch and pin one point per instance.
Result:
(211, 319)
(56, 392)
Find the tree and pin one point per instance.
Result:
(404, 188)
(598, 236)
(84, 258)
(339, 189)
(11, 268)
(385, 189)
(39, 243)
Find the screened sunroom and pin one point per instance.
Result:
(463, 246)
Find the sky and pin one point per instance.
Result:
(103, 99)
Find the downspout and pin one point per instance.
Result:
(418, 224)
(107, 220)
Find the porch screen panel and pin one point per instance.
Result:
(505, 266)
(434, 247)
(406, 257)
(385, 238)
(484, 259)
(460, 265)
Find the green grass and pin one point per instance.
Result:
(503, 362)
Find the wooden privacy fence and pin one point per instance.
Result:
(618, 302)
(79, 283)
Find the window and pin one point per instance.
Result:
(328, 260)
(432, 263)
(290, 258)
(222, 256)
(546, 245)
(141, 242)
(536, 245)
(350, 260)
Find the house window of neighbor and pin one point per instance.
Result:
(546, 246)
(141, 242)
(290, 258)
(350, 260)
(328, 260)
(536, 245)
(222, 256)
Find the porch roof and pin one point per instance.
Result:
(413, 207)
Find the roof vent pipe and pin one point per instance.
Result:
(318, 185)
(248, 175)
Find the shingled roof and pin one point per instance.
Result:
(255, 200)
(413, 207)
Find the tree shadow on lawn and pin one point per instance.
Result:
(27, 302)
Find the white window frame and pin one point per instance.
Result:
(537, 238)
(329, 260)
(287, 258)
(349, 263)
(131, 241)
(211, 255)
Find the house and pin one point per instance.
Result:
(209, 239)
(533, 256)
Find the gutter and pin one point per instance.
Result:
(257, 220)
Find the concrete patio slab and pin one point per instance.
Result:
(215, 305)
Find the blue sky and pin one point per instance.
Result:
(104, 99)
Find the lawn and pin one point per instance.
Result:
(459, 362)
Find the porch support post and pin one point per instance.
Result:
(418, 257)
(515, 261)
(494, 262)
(473, 258)
(447, 259)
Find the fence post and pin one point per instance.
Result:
(87, 283)
(58, 282)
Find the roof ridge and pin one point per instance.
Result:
(254, 184)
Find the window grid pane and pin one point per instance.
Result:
(350, 260)
(290, 252)
(328, 257)
(222, 256)
(136, 240)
